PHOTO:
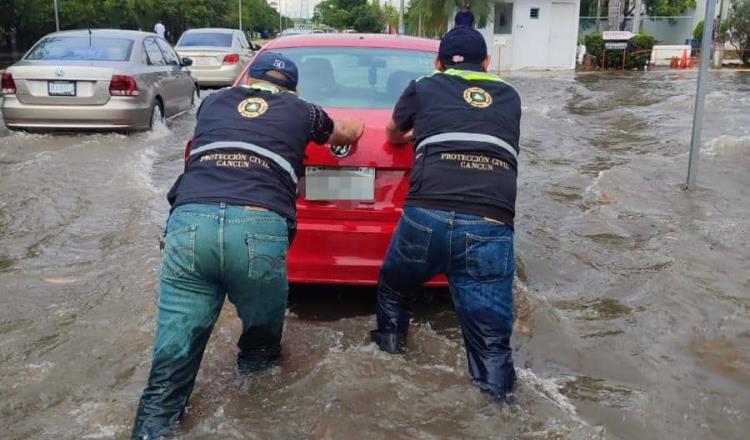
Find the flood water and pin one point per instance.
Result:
(633, 296)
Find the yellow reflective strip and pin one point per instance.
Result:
(473, 76)
(263, 87)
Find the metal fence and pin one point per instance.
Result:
(666, 30)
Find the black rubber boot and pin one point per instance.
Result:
(393, 343)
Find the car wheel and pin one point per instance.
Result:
(157, 114)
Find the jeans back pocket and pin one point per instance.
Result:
(489, 258)
(266, 256)
(412, 240)
(178, 258)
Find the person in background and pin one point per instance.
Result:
(459, 213)
(159, 29)
(464, 17)
(232, 219)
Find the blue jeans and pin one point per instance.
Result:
(476, 255)
(212, 251)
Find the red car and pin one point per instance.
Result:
(350, 201)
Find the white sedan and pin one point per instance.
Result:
(218, 54)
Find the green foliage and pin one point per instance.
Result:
(698, 31)
(668, 8)
(736, 29)
(23, 22)
(353, 14)
(594, 44)
(437, 14)
(636, 56)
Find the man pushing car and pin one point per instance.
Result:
(459, 212)
(233, 210)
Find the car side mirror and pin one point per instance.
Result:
(254, 46)
(187, 62)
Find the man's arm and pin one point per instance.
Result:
(396, 136)
(347, 131)
(399, 129)
(324, 130)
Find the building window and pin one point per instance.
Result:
(503, 18)
(534, 13)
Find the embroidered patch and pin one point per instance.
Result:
(477, 97)
(252, 107)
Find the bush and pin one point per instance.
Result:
(698, 32)
(640, 45)
(594, 44)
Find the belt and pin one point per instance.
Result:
(255, 208)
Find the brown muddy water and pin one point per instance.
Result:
(633, 296)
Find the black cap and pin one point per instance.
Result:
(462, 45)
(273, 61)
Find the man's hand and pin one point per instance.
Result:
(346, 132)
(396, 136)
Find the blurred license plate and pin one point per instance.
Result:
(323, 183)
(203, 61)
(61, 88)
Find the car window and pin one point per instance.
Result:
(211, 39)
(169, 54)
(357, 77)
(154, 53)
(82, 48)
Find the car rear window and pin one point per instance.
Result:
(82, 48)
(212, 39)
(357, 77)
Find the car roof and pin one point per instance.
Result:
(112, 33)
(385, 41)
(213, 30)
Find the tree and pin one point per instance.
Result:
(352, 14)
(736, 29)
(437, 15)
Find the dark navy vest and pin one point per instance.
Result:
(248, 149)
(466, 137)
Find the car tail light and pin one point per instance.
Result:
(123, 85)
(232, 58)
(8, 85)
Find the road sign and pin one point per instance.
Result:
(617, 35)
(619, 45)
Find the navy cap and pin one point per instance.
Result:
(273, 61)
(462, 45)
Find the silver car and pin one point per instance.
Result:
(218, 54)
(96, 80)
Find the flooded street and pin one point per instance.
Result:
(632, 297)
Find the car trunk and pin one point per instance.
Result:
(46, 83)
(205, 58)
(370, 183)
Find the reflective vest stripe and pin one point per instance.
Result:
(473, 76)
(268, 154)
(470, 137)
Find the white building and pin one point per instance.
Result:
(533, 34)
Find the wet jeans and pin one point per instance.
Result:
(476, 255)
(212, 251)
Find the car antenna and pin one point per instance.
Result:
(89, 37)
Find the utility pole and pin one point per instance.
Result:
(401, 18)
(420, 21)
(57, 18)
(637, 17)
(700, 96)
(598, 14)
(240, 13)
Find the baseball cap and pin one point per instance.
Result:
(462, 45)
(274, 61)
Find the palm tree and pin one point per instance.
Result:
(437, 15)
